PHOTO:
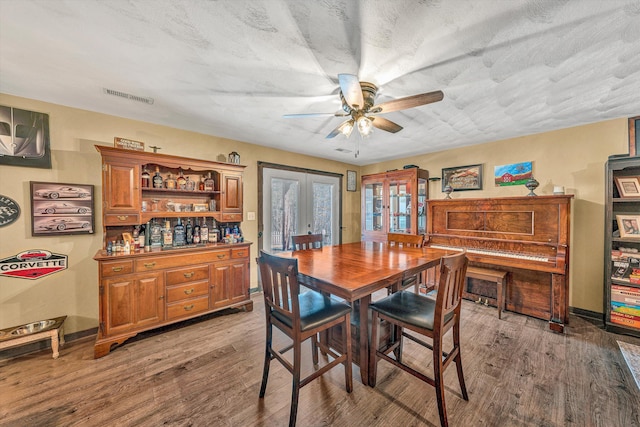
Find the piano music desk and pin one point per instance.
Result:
(492, 275)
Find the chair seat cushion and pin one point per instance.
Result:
(410, 308)
(316, 309)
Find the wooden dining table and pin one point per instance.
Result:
(354, 271)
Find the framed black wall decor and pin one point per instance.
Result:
(58, 208)
(24, 138)
(463, 178)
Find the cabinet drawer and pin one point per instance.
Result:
(190, 290)
(121, 219)
(231, 217)
(115, 268)
(179, 260)
(240, 253)
(188, 307)
(189, 274)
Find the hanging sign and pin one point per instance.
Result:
(33, 264)
(9, 211)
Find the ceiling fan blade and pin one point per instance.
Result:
(351, 90)
(296, 116)
(384, 124)
(408, 102)
(339, 129)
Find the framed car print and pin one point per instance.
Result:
(58, 209)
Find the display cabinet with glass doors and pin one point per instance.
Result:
(394, 202)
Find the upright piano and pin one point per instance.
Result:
(526, 236)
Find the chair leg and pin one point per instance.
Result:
(267, 360)
(295, 392)
(314, 349)
(348, 365)
(439, 381)
(458, 362)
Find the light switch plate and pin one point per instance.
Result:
(251, 216)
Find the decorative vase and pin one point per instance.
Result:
(531, 185)
(448, 190)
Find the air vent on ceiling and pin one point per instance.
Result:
(343, 150)
(128, 96)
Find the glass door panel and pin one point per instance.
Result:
(374, 207)
(400, 207)
(422, 206)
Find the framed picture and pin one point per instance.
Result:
(58, 209)
(628, 186)
(351, 180)
(462, 178)
(629, 225)
(512, 174)
(24, 140)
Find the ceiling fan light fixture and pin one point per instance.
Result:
(365, 126)
(347, 128)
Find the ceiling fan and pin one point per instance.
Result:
(358, 104)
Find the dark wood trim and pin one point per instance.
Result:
(634, 137)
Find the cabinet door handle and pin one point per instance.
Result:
(116, 269)
(123, 217)
(161, 297)
(149, 264)
(240, 253)
(188, 291)
(220, 256)
(188, 275)
(188, 307)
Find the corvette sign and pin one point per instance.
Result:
(33, 264)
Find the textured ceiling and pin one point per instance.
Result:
(233, 68)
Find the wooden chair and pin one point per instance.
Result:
(408, 241)
(300, 316)
(306, 241)
(428, 317)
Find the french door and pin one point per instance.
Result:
(296, 202)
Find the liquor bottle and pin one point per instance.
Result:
(146, 178)
(190, 184)
(147, 237)
(109, 247)
(204, 231)
(209, 183)
(179, 235)
(170, 183)
(196, 232)
(214, 236)
(127, 246)
(189, 231)
(201, 184)
(157, 179)
(182, 181)
(141, 236)
(167, 234)
(136, 235)
(156, 234)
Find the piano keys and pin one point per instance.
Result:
(526, 236)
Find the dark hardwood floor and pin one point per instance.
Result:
(207, 373)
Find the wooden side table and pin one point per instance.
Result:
(36, 331)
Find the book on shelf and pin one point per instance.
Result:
(625, 319)
(623, 268)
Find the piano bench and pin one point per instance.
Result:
(492, 275)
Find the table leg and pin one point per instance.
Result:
(54, 343)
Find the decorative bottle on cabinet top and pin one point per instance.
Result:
(157, 179)
(209, 184)
(181, 181)
(146, 178)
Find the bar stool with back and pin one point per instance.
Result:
(428, 317)
(306, 241)
(408, 241)
(300, 316)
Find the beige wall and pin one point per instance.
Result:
(573, 158)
